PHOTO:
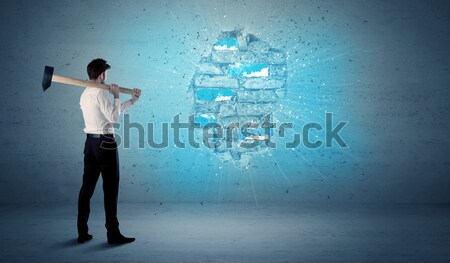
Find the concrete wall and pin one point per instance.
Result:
(380, 65)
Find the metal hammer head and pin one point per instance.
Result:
(47, 78)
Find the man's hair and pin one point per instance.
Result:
(97, 67)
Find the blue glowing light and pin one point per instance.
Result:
(249, 70)
(214, 94)
(226, 44)
(205, 118)
(240, 81)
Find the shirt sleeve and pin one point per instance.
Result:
(125, 105)
(110, 110)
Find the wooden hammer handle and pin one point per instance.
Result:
(86, 83)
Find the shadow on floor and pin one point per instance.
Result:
(102, 246)
(66, 244)
(91, 245)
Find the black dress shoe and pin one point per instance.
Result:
(119, 239)
(83, 238)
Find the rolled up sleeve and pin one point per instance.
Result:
(110, 110)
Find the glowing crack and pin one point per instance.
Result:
(239, 81)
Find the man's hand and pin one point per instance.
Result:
(114, 90)
(136, 95)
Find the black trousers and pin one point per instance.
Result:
(100, 156)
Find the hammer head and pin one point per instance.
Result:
(47, 78)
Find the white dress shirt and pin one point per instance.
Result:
(98, 112)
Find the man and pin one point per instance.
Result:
(100, 151)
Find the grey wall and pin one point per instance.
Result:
(381, 65)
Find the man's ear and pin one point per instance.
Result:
(102, 76)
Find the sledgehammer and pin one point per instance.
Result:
(49, 77)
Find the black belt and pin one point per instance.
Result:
(98, 136)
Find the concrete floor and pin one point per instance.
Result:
(232, 232)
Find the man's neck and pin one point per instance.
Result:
(98, 81)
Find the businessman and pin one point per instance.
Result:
(100, 151)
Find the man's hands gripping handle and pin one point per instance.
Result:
(115, 91)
